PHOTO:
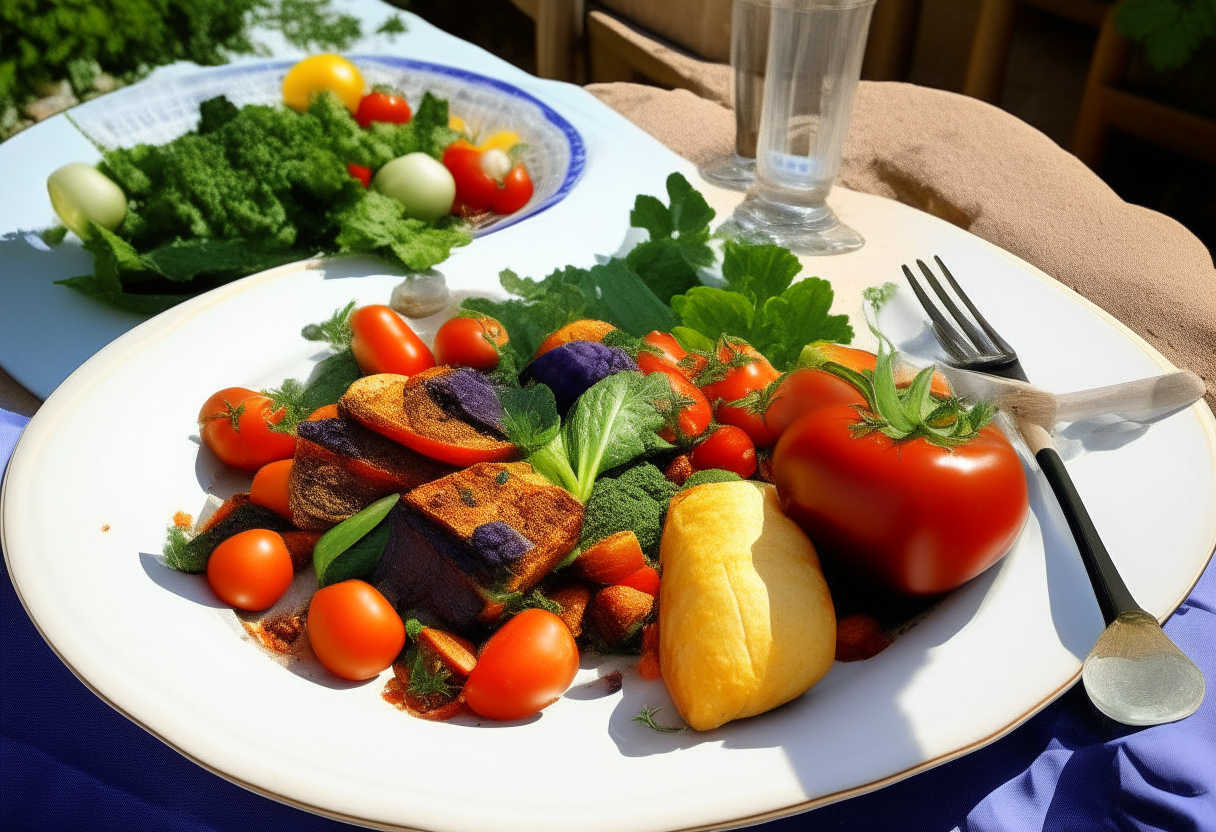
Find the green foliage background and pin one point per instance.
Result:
(43, 41)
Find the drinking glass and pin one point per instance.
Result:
(815, 49)
(748, 55)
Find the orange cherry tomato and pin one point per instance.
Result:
(235, 424)
(354, 630)
(524, 667)
(384, 343)
(470, 342)
(269, 488)
(250, 570)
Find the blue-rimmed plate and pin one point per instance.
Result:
(161, 109)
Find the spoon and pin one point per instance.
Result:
(1134, 674)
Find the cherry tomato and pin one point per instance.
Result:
(269, 488)
(523, 668)
(354, 630)
(514, 191)
(470, 342)
(474, 187)
(378, 105)
(250, 570)
(323, 72)
(364, 175)
(668, 356)
(803, 391)
(235, 425)
(916, 518)
(746, 372)
(728, 448)
(694, 417)
(384, 343)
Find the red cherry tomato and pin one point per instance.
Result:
(384, 343)
(235, 424)
(916, 518)
(474, 187)
(364, 175)
(354, 630)
(523, 668)
(669, 353)
(514, 191)
(250, 570)
(382, 106)
(803, 391)
(728, 448)
(470, 342)
(694, 417)
(746, 372)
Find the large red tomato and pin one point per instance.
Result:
(915, 517)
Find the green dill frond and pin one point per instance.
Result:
(646, 717)
(336, 331)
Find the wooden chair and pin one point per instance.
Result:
(622, 47)
(994, 32)
(1106, 105)
(558, 36)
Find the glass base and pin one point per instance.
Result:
(734, 171)
(803, 230)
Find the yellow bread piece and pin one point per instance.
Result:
(745, 619)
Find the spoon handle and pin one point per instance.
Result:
(1112, 593)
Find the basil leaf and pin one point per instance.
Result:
(352, 548)
(613, 423)
(529, 418)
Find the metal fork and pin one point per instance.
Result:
(1134, 674)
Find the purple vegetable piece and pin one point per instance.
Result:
(469, 396)
(337, 435)
(499, 544)
(569, 370)
(414, 574)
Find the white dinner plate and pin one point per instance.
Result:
(113, 454)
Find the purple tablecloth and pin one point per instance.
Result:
(69, 761)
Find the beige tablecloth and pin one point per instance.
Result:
(992, 174)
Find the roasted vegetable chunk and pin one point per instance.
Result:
(462, 544)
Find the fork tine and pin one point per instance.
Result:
(949, 337)
(981, 343)
(997, 340)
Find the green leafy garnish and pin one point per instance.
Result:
(679, 239)
(530, 419)
(352, 548)
(613, 423)
(761, 305)
(911, 412)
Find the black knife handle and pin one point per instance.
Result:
(1112, 594)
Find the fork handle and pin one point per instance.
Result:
(1113, 596)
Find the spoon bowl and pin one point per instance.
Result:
(1137, 676)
